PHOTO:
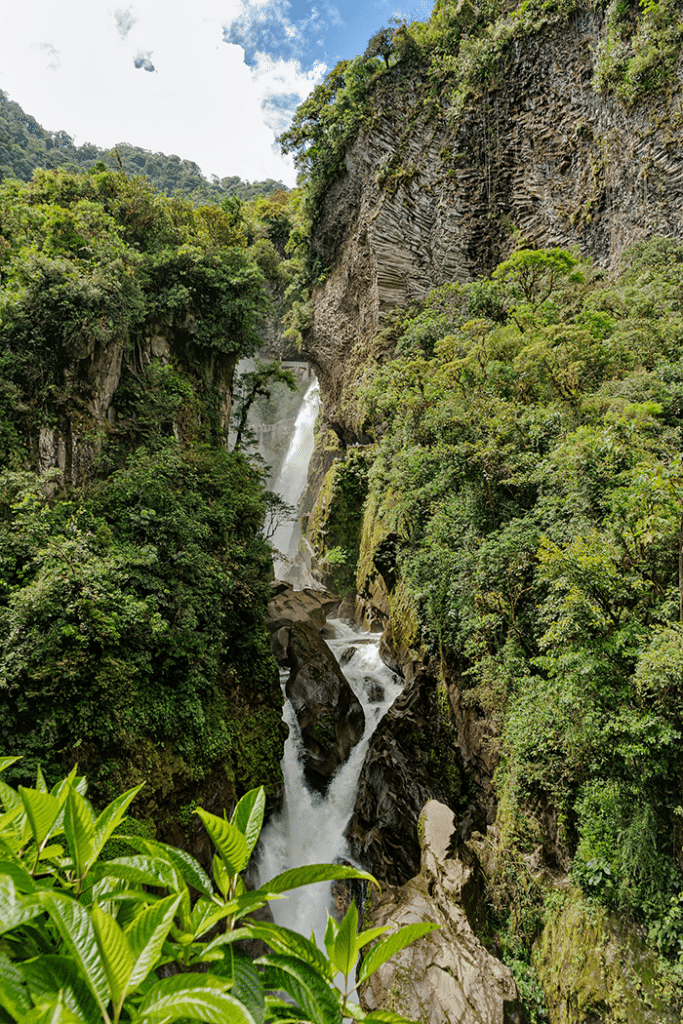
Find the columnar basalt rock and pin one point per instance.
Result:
(329, 714)
(540, 158)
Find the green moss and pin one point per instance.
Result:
(335, 523)
(593, 967)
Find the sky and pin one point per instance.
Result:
(214, 81)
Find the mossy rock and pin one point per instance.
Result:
(596, 969)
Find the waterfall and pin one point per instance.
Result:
(290, 483)
(310, 828)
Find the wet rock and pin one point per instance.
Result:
(329, 714)
(412, 758)
(347, 655)
(374, 691)
(288, 606)
(445, 976)
(280, 642)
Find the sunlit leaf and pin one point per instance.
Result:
(248, 816)
(227, 839)
(393, 944)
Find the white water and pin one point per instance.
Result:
(310, 828)
(291, 480)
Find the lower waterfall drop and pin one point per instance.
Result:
(309, 829)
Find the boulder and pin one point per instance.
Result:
(288, 606)
(329, 714)
(446, 976)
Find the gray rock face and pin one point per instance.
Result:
(542, 153)
(412, 758)
(447, 977)
(289, 606)
(329, 714)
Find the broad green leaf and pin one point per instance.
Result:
(111, 817)
(221, 876)
(76, 929)
(139, 870)
(370, 934)
(15, 908)
(248, 816)
(393, 944)
(19, 875)
(79, 828)
(41, 784)
(55, 1012)
(13, 994)
(200, 998)
(5, 762)
(284, 940)
(183, 862)
(10, 816)
(310, 873)
(227, 839)
(146, 936)
(247, 984)
(306, 986)
(42, 811)
(48, 975)
(330, 935)
(9, 797)
(345, 950)
(117, 958)
(64, 784)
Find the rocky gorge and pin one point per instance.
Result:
(544, 152)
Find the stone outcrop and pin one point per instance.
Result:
(288, 607)
(329, 714)
(412, 758)
(86, 407)
(596, 968)
(447, 976)
(540, 157)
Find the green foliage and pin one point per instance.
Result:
(637, 55)
(527, 470)
(25, 146)
(144, 598)
(131, 606)
(151, 937)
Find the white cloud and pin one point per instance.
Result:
(72, 65)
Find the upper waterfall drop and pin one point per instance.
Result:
(290, 484)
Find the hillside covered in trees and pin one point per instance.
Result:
(25, 146)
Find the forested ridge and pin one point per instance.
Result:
(26, 146)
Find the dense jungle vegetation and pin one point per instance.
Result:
(524, 505)
(25, 146)
(133, 586)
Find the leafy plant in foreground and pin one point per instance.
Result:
(85, 939)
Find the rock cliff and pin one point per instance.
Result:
(538, 157)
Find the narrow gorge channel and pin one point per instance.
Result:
(310, 826)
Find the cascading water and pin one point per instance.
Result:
(310, 828)
(291, 480)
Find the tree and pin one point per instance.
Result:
(381, 45)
